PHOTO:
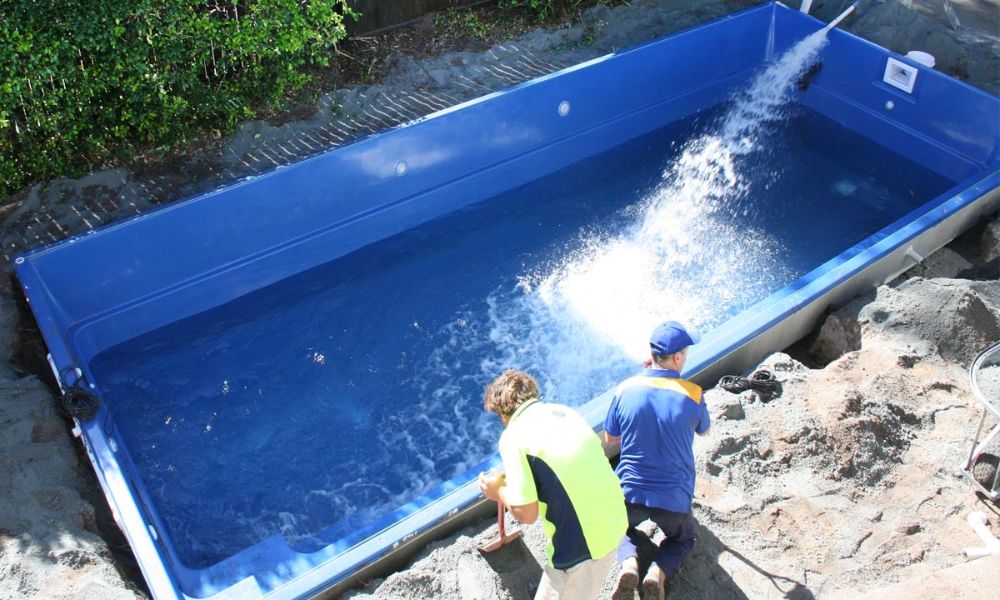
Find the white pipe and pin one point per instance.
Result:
(914, 255)
(841, 17)
(991, 545)
(806, 5)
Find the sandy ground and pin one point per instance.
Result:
(848, 481)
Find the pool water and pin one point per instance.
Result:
(328, 400)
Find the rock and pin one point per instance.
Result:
(910, 528)
(838, 335)
(781, 363)
(731, 410)
(984, 70)
(943, 47)
(958, 318)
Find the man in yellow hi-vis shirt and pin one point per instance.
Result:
(556, 468)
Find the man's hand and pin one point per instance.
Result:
(490, 483)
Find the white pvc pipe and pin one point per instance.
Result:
(841, 17)
(914, 255)
(806, 5)
(991, 545)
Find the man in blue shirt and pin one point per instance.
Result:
(655, 416)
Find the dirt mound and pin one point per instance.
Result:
(954, 319)
(850, 480)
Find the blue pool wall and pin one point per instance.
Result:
(97, 290)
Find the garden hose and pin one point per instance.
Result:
(80, 403)
(763, 382)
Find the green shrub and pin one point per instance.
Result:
(542, 8)
(84, 82)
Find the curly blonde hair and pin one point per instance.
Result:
(509, 391)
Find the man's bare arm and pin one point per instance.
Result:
(492, 486)
(526, 513)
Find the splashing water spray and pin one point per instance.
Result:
(589, 318)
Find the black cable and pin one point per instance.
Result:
(763, 382)
(80, 403)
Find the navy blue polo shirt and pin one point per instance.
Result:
(657, 414)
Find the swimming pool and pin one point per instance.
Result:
(290, 367)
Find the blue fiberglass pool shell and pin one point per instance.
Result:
(95, 292)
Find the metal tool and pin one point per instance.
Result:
(503, 536)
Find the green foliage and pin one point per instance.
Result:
(464, 19)
(542, 8)
(82, 82)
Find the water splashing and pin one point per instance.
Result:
(584, 325)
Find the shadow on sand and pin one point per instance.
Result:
(703, 577)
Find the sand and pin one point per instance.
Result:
(847, 482)
(989, 383)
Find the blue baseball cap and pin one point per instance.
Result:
(671, 337)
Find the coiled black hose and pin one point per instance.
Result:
(80, 403)
(763, 382)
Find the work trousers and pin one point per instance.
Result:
(677, 527)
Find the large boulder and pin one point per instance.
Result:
(951, 318)
(957, 317)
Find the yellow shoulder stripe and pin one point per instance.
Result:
(681, 386)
